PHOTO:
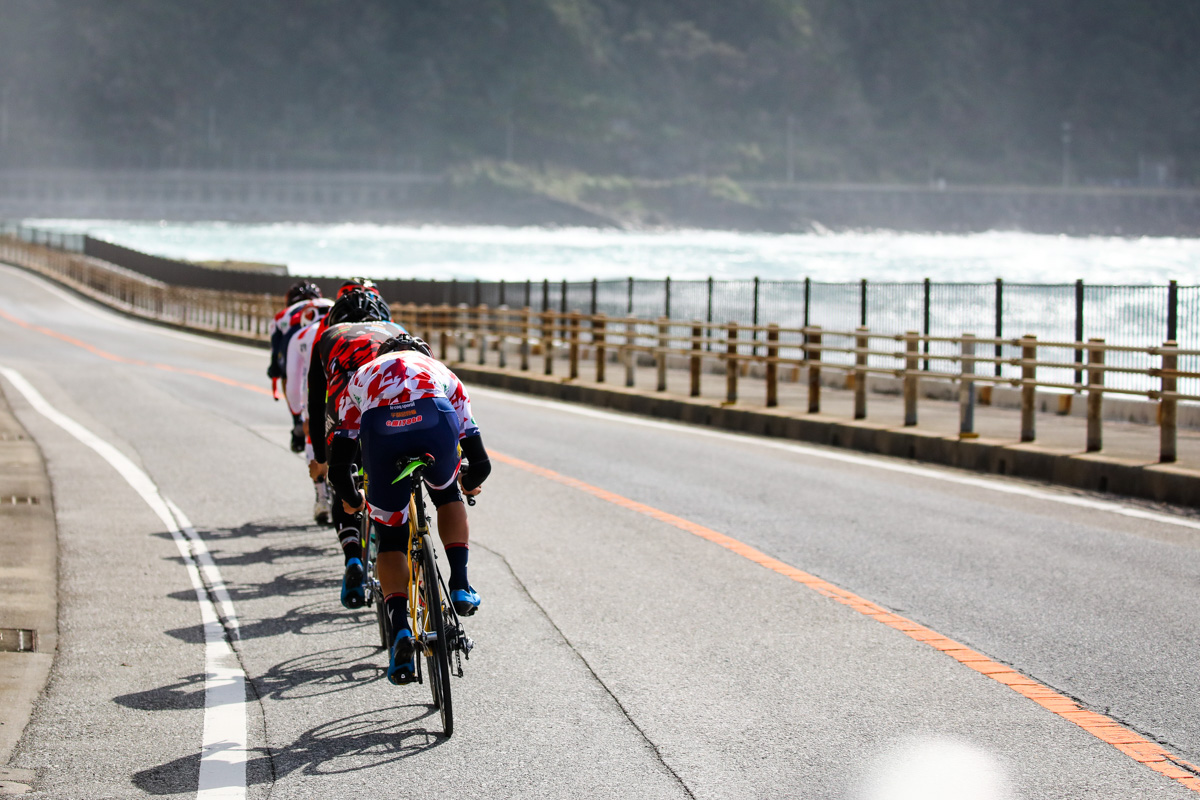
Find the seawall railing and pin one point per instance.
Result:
(528, 339)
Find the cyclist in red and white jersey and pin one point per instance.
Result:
(407, 403)
(296, 365)
(302, 296)
(357, 323)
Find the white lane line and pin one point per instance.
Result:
(224, 744)
(847, 458)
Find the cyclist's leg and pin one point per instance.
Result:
(393, 571)
(451, 512)
(345, 450)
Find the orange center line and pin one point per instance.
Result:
(1106, 729)
(136, 362)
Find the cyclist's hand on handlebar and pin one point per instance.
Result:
(349, 509)
(317, 470)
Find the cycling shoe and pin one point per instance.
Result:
(402, 668)
(321, 504)
(466, 601)
(353, 595)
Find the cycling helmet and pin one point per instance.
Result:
(403, 341)
(358, 305)
(303, 290)
(358, 283)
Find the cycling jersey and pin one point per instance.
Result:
(299, 354)
(339, 350)
(400, 378)
(286, 322)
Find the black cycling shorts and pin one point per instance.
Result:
(388, 434)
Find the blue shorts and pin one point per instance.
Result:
(387, 434)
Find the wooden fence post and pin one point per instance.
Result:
(694, 362)
(462, 328)
(812, 359)
(503, 316)
(481, 327)
(1167, 405)
(661, 353)
(862, 342)
(1095, 399)
(548, 340)
(1028, 345)
(630, 353)
(966, 388)
(772, 369)
(573, 350)
(731, 363)
(525, 315)
(599, 330)
(912, 382)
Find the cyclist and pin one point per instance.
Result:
(406, 403)
(357, 323)
(302, 294)
(297, 362)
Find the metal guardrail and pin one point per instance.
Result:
(1079, 367)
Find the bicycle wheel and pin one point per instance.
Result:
(438, 659)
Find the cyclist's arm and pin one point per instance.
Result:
(316, 405)
(275, 367)
(478, 467)
(341, 470)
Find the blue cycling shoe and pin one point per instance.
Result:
(402, 668)
(466, 601)
(353, 595)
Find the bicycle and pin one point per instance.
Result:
(438, 631)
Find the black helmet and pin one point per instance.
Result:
(358, 305)
(303, 290)
(403, 341)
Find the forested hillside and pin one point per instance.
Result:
(865, 90)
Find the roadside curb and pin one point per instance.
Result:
(28, 583)
(1164, 483)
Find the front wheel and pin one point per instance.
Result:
(438, 659)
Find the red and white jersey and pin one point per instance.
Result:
(300, 313)
(296, 364)
(398, 378)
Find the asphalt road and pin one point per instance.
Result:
(618, 654)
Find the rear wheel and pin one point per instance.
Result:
(438, 660)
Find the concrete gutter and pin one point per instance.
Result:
(28, 588)
(1093, 472)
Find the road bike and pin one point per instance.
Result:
(438, 632)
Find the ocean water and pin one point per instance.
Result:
(575, 254)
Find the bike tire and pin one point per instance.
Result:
(438, 660)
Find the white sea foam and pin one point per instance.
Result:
(518, 254)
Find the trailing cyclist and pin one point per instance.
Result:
(303, 295)
(297, 362)
(406, 403)
(357, 323)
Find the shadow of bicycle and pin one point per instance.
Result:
(364, 741)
